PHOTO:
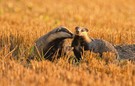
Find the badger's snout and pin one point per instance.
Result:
(71, 34)
(77, 32)
(64, 32)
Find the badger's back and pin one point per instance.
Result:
(100, 46)
(126, 51)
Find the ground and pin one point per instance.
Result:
(24, 21)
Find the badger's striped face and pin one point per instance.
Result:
(63, 32)
(81, 31)
(59, 33)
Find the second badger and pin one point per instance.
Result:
(82, 40)
(51, 43)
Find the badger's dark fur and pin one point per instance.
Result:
(82, 42)
(51, 43)
(126, 51)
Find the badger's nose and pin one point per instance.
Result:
(71, 34)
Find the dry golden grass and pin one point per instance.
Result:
(27, 20)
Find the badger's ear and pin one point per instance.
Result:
(86, 29)
(76, 28)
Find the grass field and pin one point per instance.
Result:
(27, 20)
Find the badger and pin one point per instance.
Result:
(82, 42)
(126, 51)
(51, 44)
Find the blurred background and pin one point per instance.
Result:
(24, 21)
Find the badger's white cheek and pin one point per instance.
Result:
(80, 34)
(84, 33)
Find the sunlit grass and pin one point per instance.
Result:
(24, 21)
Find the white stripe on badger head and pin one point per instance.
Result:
(58, 35)
(60, 27)
(65, 28)
(67, 31)
(70, 31)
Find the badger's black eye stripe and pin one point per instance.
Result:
(62, 30)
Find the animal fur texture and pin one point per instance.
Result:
(82, 42)
(126, 51)
(51, 44)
